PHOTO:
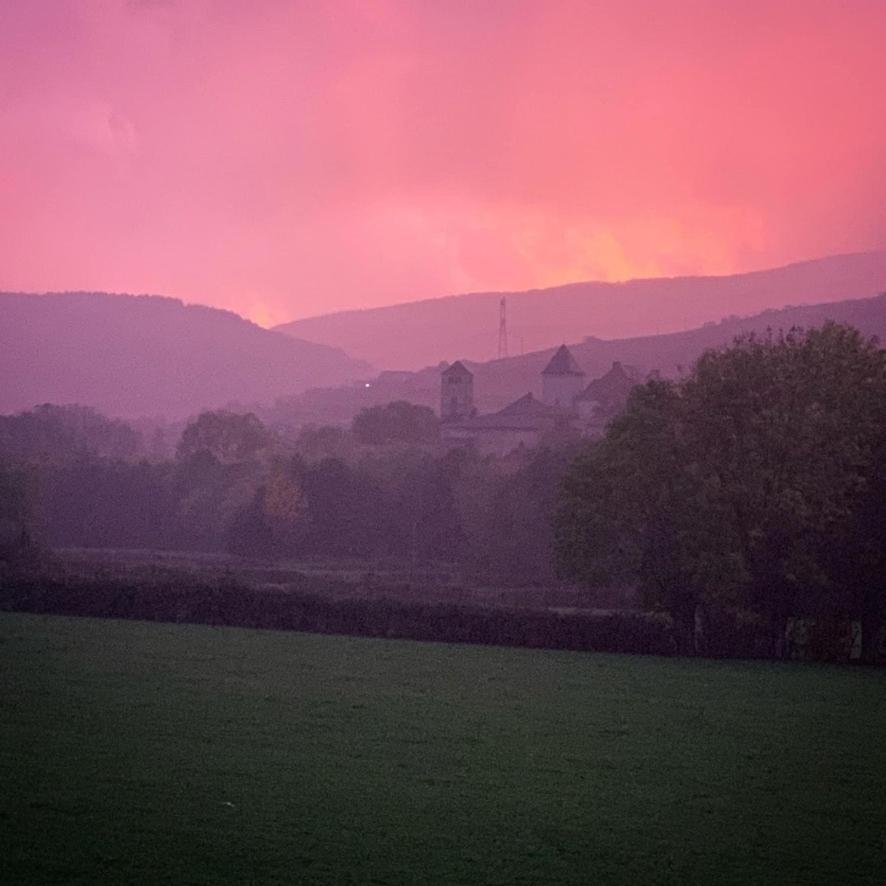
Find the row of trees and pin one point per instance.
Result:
(381, 491)
(50, 433)
(755, 485)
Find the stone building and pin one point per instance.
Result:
(568, 407)
(562, 380)
(606, 396)
(457, 393)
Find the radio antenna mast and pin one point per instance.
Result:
(502, 329)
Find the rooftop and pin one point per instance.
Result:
(613, 387)
(562, 363)
(525, 414)
(458, 368)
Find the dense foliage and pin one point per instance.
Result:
(58, 433)
(397, 422)
(754, 487)
(385, 491)
(324, 606)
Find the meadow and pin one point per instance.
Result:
(188, 754)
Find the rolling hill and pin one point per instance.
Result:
(416, 334)
(141, 355)
(499, 382)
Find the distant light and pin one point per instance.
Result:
(367, 385)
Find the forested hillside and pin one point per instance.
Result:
(147, 355)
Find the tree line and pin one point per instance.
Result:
(381, 492)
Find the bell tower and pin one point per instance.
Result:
(456, 392)
(562, 379)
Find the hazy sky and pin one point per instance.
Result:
(290, 158)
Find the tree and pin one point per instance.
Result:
(856, 561)
(274, 521)
(734, 486)
(417, 514)
(397, 422)
(228, 436)
(786, 426)
(16, 501)
(50, 433)
(634, 508)
(342, 510)
(112, 504)
(324, 441)
(519, 542)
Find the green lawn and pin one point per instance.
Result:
(149, 753)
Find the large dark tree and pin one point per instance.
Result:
(16, 512)
(735, 485)
(786, 426)
(637, 507)
(227, 436)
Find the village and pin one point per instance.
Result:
(568, 406)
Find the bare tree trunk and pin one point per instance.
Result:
(778, 626)
(870, 633)
(699, 631)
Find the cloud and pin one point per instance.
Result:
(285, 159)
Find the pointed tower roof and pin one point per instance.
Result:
(458, 368)
(562, 363)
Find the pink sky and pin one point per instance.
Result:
(290, 158)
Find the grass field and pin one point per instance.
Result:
(149, 753)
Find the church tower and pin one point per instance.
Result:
(456, 392)
(562, 380)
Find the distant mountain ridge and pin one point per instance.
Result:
(143, 355)
(499, 382)
(416, 334)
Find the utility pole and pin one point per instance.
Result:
(502, 329)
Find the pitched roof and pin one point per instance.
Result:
(527, 405)
(613, 387)
(458, 368)
(562, 363)
(525, 414)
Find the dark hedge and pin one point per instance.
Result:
(230, 603)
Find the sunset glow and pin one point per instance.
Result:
(286, 159)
